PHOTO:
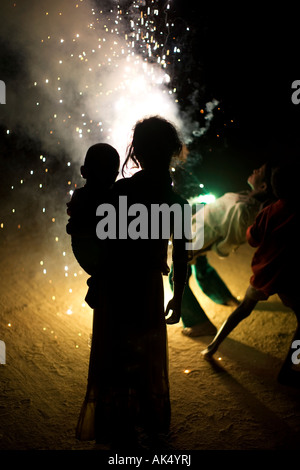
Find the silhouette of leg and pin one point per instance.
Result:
(239, 314)
(211, 283)
(194, 319)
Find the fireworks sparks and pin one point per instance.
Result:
(115, 69)
(92, 73)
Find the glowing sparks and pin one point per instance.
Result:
(116, 62)
(206, 198)
(94, 78)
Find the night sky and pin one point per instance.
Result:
(247, 60)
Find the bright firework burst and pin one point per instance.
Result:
(89, 71)
(93, 72)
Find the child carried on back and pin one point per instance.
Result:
(100, 170)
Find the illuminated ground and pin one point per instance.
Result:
(238, 405)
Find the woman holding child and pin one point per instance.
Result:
(128, 384)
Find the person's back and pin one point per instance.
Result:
(275, 235)
(226, 221)
(155, 142)
(160, 204)
(227, 218)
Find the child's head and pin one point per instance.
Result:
(101, 164)
(155, 141)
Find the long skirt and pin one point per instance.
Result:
(128, 382)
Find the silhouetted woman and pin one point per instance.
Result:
(128, 384)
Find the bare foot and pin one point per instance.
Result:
(233, 302)
(209, 351)
(202, 329)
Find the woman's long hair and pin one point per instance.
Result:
(155, 141)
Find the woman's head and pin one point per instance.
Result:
(260, 182)
(155, 141)
(259, 178)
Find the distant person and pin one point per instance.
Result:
(128, 382)
(275, 263)
(100, 170)
(225, 224)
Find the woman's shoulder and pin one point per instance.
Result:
(121, 185)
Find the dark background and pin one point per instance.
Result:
(246, 59)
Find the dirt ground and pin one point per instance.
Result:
(234, 403)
